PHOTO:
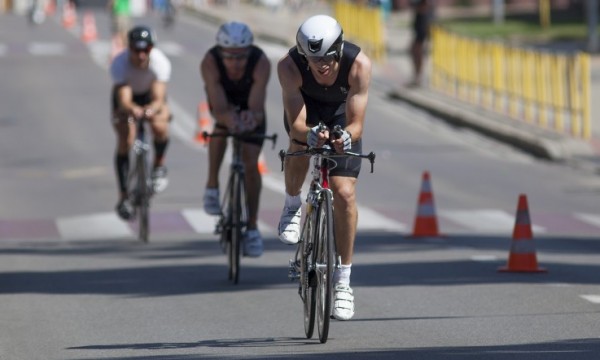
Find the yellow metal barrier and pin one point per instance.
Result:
(549, 90)
(362, 25)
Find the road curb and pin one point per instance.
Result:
(538, 142)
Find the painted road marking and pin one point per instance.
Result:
(591, 219)
(95, 226)
(47, 48)
(595, 299)
(486, 220)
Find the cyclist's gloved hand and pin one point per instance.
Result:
(346, 139)
(315, 136)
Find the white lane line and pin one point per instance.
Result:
(200, 221)
(484, 258)
(369, 219)
(486, 220)
(595, 299)
(46, 48)
(591, 219)
(95, 226)
(171, 48)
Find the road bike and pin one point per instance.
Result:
(140, 187)
(233, 220)
(316, 256)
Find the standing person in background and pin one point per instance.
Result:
(422, 10)
(120, 16)
(236, 74)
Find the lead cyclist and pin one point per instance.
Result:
(325, 79)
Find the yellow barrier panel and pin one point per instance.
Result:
(363, 25)
(550, 90)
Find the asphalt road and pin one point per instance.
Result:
(75, 284)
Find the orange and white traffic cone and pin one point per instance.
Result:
(69, 15)
(203, 122)
(262, 164)
(50, 7)
(89, 32)
(426, 221)
(522, 257)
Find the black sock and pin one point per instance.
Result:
(160, 148)
(122, 167)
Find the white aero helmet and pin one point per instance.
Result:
(320, 36)
(234, 35)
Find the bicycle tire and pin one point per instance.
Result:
(143, 193)
(307, 280)
(236, 227)
(325, 263)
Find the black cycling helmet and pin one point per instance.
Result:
(141, 37)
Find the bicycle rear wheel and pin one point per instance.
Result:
(325, 253)
(308, 279)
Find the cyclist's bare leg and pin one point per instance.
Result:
(345, 215)
(160, 130)
(216, 152)
(295, 170)
(125, 132)
(250, 154)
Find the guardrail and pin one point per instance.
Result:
(547, 89)
(363, 25)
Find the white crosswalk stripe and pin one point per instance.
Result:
(47, 48)
(590, 219)
(486, 220)
(95, 226)
(199, 220)
(591, 298)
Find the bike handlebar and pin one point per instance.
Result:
(242, 136)
(327, 153)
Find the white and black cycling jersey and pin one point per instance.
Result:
(140, 80)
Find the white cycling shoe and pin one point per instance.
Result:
(289, 225)
(253, 243)
(211, 201)
(343, 302)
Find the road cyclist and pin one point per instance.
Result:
(140, 74)
(235, 74)
(325, 79)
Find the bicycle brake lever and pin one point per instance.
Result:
(281, 157)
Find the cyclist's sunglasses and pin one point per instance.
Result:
(227, 55)
(139, 50)
(326, 59)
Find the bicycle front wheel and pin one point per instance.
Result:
(308, 278)
(237, 215)
(143, 200)
(325, 254)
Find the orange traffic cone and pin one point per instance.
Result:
(522, 257)
(50, 7)
(203, 122)
(426, 221)
(89, 32)
(262, 164)
(69, 15)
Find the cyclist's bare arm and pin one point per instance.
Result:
(293, 103)
(356, 103)
(223, 112)
(258, 92)
(125, 101)
(159, 93)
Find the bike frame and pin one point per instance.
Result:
(233, 220)
(316, 255)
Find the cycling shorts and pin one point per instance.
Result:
(261, 129)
